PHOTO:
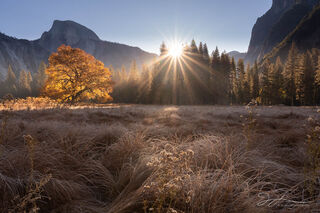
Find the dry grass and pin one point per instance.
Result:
(158, 159)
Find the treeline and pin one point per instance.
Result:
(197, 78)
(23, 85)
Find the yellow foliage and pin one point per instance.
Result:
(74, 75)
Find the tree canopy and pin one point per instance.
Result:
(74, 75)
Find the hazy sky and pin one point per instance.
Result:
(143, 23)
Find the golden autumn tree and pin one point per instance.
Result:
(74, 75)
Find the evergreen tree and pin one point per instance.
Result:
(241, 81)
(131, 90)
(224, 73)
(205, 54)
(144, 85)
(201, 49)
(215, 62)
(40, 79)
(194, 48)
(116, 76)
(255, 87)
(123, 74)
(163, 49)
(215, 78)
(308, 79)
(24, 85)
(299, 76)
(265, 83)
(11, 82)
(134, 73)
(233, 82)
(289, 76)
(247, 84)
(113, 71)
(2, 88)
(29, 78)
(276, 80)
(317, 81)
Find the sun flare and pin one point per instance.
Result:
(176, 50)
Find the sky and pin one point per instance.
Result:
(142, 23)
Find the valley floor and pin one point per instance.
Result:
(135, 158)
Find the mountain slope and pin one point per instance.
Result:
(236, 55)
(20, 54)
(263, 26)
(24, 54)
(306, 36)
(275, 25)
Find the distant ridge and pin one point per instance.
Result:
(237, 55)
(27, 55)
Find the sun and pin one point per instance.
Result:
(175, 50)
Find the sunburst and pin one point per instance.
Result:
(175, 50)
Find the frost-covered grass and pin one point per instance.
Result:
(135, 158)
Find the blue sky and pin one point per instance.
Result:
(143, 23)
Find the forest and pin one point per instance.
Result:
(197, 78)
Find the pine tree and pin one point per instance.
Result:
(2, 88)
(299, 77)
(265, 82)
(246, 85)
(276, 80)
(194, 48)
(11, 82)
(201, 49)
(289, 76)
(113, 71)
(215, 78)
(255, 87)
(1, 78)
(205, 54)
(163, 49)
(215, 62)
(317, 81)
(29, 78)
(309, 79)
(24, 84)
(134, 73)
(144, 85)
(123, 74)
(241, 81)
(233, 82)
(40, 79)
(224, 73)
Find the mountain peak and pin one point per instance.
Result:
(71, 28)
(280, 5)
(66, 32)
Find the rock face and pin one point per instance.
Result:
(27, 55)
(275, 25)
(67, 32)
(306, 36)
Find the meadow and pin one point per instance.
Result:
(144, 158)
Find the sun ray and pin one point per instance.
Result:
(195, 75)
(186, 79)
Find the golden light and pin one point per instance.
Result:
(175, 49)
